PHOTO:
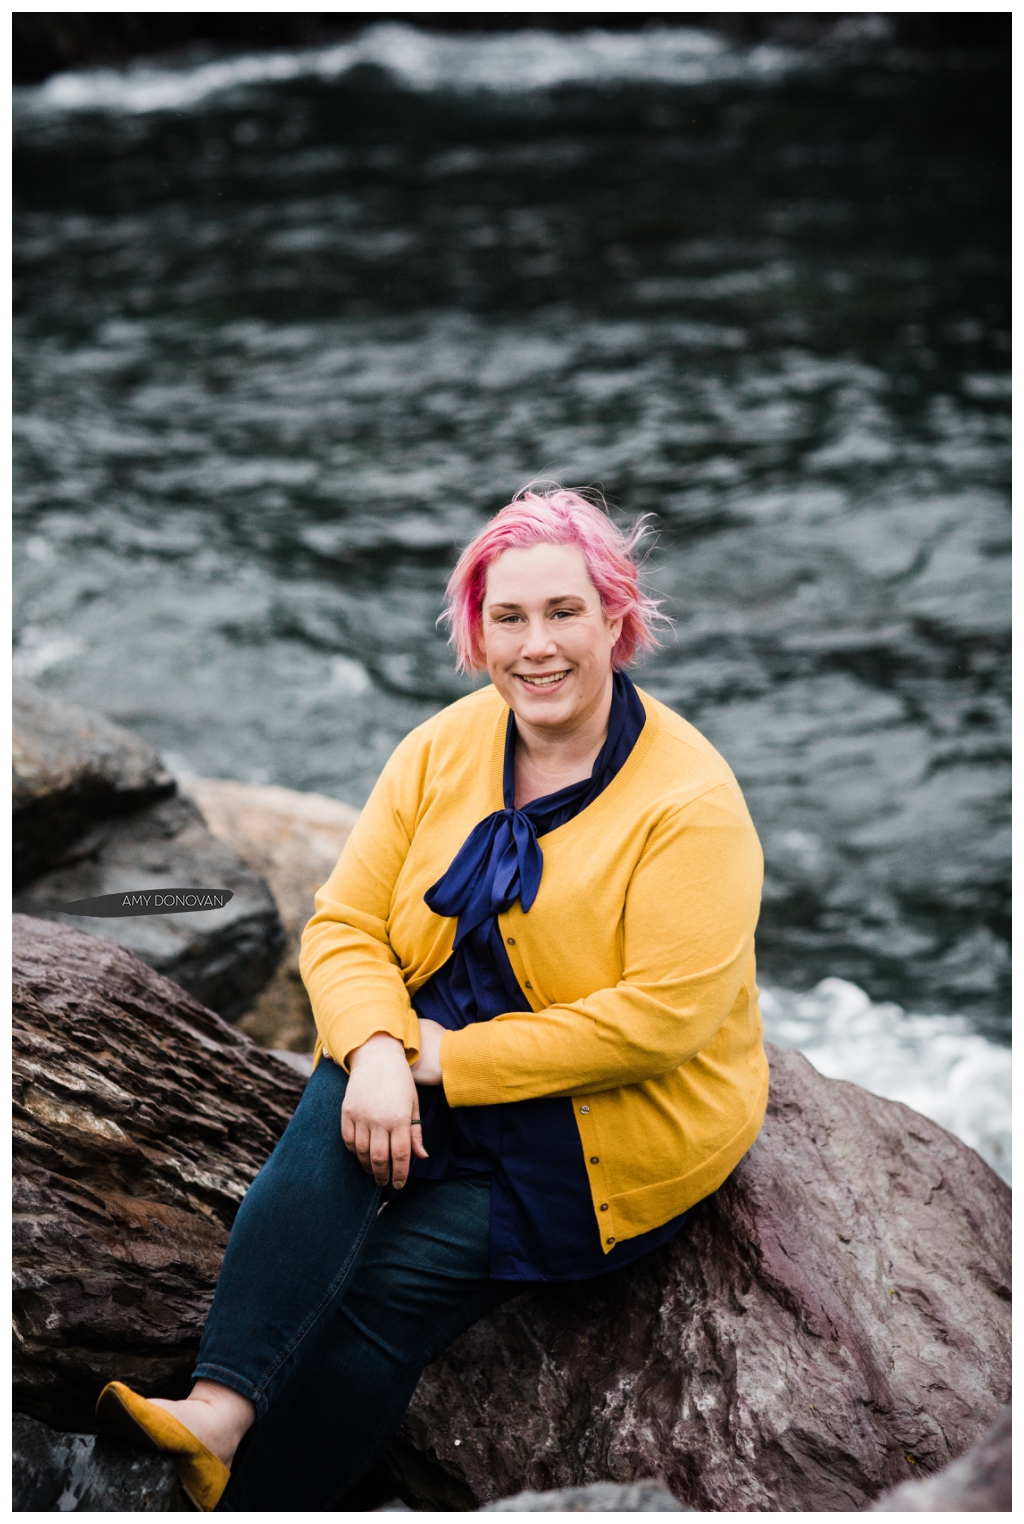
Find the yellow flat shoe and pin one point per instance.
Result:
(122, 1412)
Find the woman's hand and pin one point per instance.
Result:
(427, 1068)
(380, 1113)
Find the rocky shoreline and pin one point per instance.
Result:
(834, 1326)
(95, 812)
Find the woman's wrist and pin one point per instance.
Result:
(380, 1043)
(427, 1068)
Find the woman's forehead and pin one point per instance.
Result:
(537, 574)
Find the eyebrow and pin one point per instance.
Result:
(558, 598)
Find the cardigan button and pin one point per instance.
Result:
(584, 1110)
(595, 1160)
(609, 1240)
(511, 941)
(529, 986)
(604, 1206)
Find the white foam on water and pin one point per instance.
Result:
(935, 1064)
(39, 649)
(504, 62)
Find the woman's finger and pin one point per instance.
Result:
(400, 1149)
(348, 1131)
(362, 1142)
(380, 1154)
(417, 1141)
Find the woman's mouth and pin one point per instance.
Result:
(542, 679)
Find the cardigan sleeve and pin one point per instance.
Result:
(352, 975)
(688, 928)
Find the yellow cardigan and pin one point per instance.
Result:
(637, 955)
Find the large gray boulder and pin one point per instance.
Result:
(71, 769)
(53, 1472)
(96, 813)
(835, 1321)
(223, 957)
(140, 1120)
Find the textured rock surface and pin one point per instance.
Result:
(980, 1482)
(222, 957)
(87, 1473)
(140, 1118)
(293, 840)
(71, 769)
(599, 1497)
(840, 1306)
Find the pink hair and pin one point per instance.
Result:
(558, 517)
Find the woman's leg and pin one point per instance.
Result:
(294, 1246)
(422, 1280)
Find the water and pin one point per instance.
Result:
(290, 327)
(935, 1064)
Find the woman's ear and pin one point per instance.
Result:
(614, 630)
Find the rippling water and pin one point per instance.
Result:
(289, 327)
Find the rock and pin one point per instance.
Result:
(87, 1473)
(71, 769)
(836, 1311)
(302, 1063)
(599, 1497)
(293, 840)
(95, 813)
(222, 957)
(980, 1482)
(140, 1119)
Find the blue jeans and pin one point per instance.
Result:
(328, 1307)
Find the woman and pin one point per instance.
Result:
(532, 973)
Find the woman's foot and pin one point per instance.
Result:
(215, 1414)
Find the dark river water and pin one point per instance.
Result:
(289, 328)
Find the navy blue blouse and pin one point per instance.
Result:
(542, 1225)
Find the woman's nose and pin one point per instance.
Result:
(538, 640)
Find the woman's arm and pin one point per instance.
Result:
(688, 928)
(352, 975)
(362, 1011)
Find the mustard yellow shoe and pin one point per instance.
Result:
(122, 1412)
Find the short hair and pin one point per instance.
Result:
(559, 516)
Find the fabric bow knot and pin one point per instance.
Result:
(499, 862)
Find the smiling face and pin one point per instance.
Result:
(545, 639)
